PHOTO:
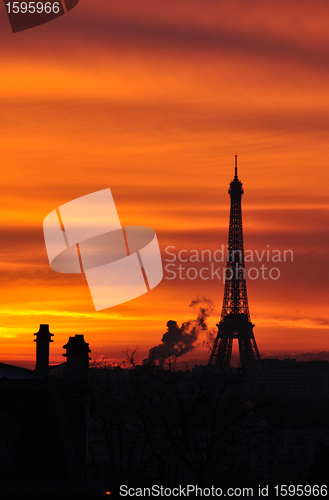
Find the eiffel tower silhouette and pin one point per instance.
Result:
(235, 318)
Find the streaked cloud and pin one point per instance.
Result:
(153, 99)
(76, 314)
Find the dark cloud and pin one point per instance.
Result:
(260, 32)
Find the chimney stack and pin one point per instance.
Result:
(77, 359)
(43, 339)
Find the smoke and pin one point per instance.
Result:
(179, 340)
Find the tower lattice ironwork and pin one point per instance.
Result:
(235, 318)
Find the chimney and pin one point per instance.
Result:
(43, 339)
(77, 359)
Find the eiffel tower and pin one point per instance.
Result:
(235, 318)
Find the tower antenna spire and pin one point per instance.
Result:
(236, 167)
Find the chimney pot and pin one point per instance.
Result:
(43, 339)
(77, 358)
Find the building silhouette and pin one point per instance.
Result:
(235, 323)
(44, 423)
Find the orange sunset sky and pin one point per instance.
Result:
(153, 99)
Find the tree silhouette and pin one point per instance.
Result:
(150, 425)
